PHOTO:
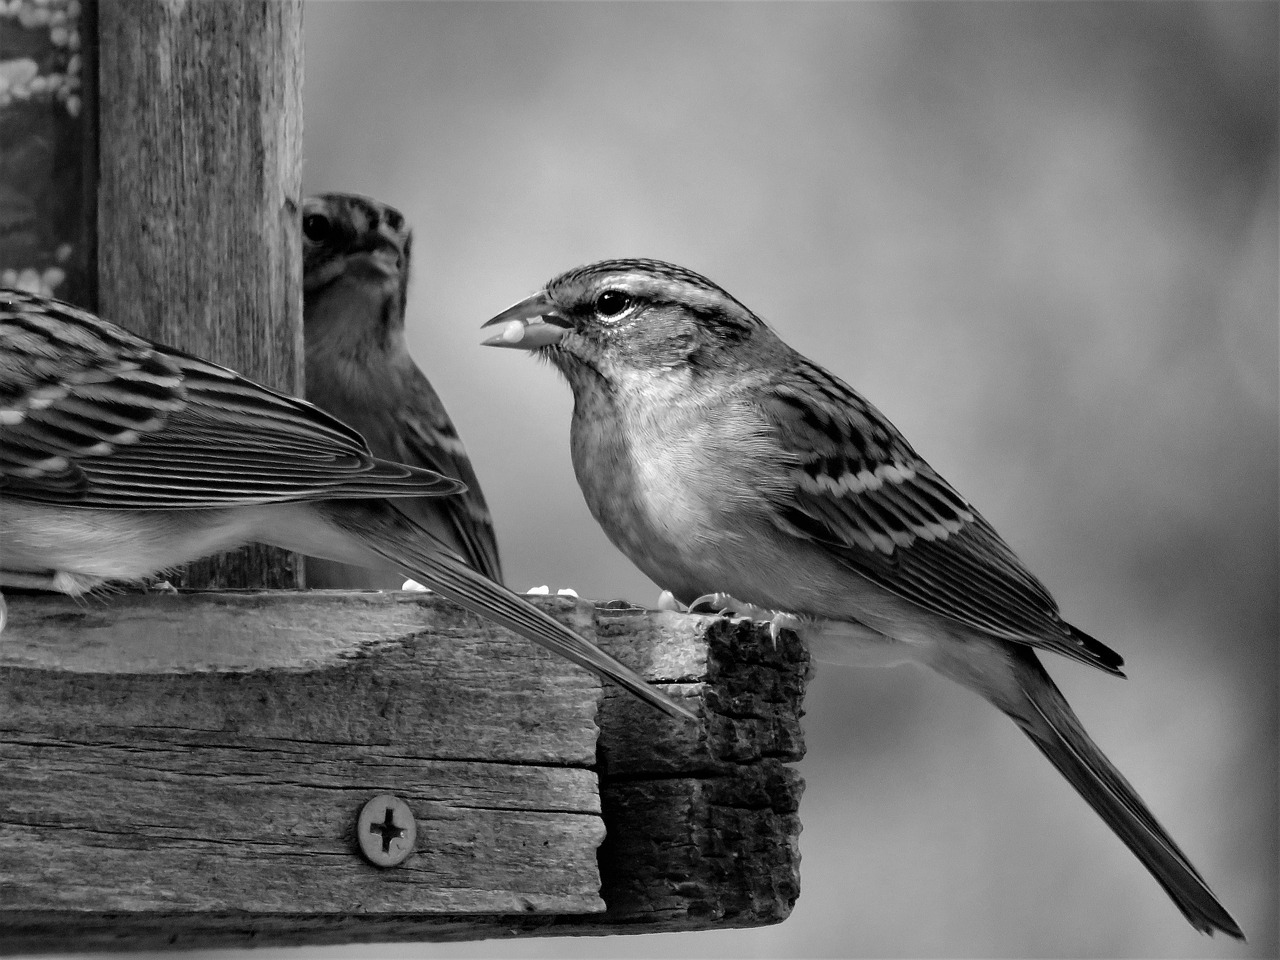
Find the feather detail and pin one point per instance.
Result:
(467, 513)
(861, 492)
(98, 417)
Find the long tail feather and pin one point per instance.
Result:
(1054, 729)
(392, 535)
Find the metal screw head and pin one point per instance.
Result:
(385, 830)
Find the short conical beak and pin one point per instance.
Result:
(528, 325)
(384, 259)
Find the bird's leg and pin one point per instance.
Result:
(717, 602)
(786, 621)
(732, 607)
(736, 609)
(725, 605)
(836, 641)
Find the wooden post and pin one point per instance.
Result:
(188, 771)
(200, 111)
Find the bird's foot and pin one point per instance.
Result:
(785, 621)
(729, 606)
(735, 609)
(4, 612)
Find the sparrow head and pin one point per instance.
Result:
(354, 239)
(614, 318)
(355, 272)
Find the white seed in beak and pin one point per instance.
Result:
(512, 331)
(525, 334)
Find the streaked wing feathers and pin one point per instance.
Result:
(430, 440)
(861, 492)
(91, 415)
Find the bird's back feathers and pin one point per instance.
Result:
(94, 416)
(860, 491)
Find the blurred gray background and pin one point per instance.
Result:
(1043, 240)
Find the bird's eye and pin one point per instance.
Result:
(611, 303)
(316, 227)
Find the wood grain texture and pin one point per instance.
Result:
(704, 830)
(200, 112)
(187, 771)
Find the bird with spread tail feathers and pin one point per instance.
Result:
(120, 457)
(721, 461)
(355, 277)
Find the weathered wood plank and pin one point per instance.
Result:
(179, 823)
(186, 771)
(211, 752)
(200, 119)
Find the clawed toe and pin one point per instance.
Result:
(720, 603)
(783, 621)
(724, 605)
(716, 603)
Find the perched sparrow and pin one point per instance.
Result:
(355, 274)
(120, 457)
(722, 461)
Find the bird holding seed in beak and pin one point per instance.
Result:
(721, 461)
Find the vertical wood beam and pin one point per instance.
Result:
(200, 109)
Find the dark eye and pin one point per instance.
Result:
(611, 303)
(316, 227)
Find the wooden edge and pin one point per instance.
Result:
(703, 831)
(702, 824)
